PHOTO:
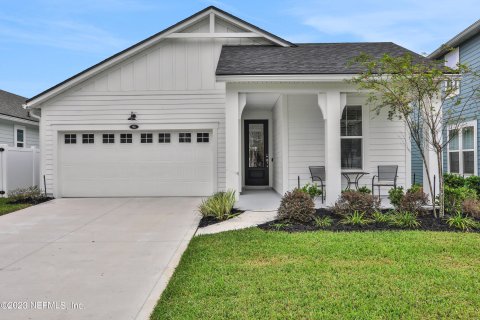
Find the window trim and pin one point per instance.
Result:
(88, 138)
(180, 137)
(70, 141)
(362, 137)
(108, 138)
(146, 138)
(203, 139)
(24, 129)
(471, 123)
(165, 135)
(126, 138)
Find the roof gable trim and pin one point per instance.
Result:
(144, 44)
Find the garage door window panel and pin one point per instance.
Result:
(70, 138)
(146, 138)
(203, 137)
(88, 138)
(126, 138)
(185, 137)
(108, 138)
(164, 137)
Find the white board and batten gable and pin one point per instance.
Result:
(168, 80)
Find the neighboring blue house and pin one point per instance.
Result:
(461, 155)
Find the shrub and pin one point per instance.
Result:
(395, 195)
(364, 189)
(406, 220)
(454, 197)
(463, 223)
(323, 222)
(312, 190)
(473, 183)
(379, 217)
(351, 201)
(453, 180)
(356, 218)
(414, 200)
(296, 206)
(26, 195)
(219, 206)
(471, 207)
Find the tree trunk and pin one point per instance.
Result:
(441, 194)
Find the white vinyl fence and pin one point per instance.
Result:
(19, 168)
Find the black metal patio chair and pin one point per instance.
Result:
(317, 174)
(386, 177)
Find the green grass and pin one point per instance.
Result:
(253, 274)
(7, 208)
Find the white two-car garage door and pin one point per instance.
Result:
(140, 164)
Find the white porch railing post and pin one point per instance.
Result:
(32, 149)
(3, 163)
(332, 114)
(232, 140)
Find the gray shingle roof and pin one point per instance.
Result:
(321, 58)
(11, 105)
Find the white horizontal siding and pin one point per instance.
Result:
(6, 132)
(306, 143)
(171, 82)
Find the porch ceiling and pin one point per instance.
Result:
(259, 100)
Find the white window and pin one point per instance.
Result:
(452, 58)
(184, 137)
(164, 137)
(351, 133)
(126, 138)
(462, 149)
(70, 138)
(20, 136)
(203, 137)
(88, 138)
(108, 138)
(146, 138)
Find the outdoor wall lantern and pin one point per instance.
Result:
(133, 116)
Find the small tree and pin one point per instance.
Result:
(422, 93)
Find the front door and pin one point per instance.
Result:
(256, 152)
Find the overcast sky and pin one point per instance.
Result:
(43, 42)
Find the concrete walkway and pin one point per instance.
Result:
(92, 258)
(245, 220)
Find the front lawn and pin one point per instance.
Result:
(7, 207)
(326, 275)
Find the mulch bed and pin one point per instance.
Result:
(208, 221)
(427, 222)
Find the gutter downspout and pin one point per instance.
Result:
(30, 112)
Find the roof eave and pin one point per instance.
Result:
(337, 77)
(463, 36)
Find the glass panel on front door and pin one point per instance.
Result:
(256, 145)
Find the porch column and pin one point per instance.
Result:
(331, 105)
(232, 141)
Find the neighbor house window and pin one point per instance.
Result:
(19, 136)
(462, 149)
(70, 138)
(125, 138)
(184, 137)
(164, 137)
(203, 137)
(146, 138)
(88, 138)
(108, 138)
(351, 137)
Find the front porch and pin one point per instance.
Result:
(281, 131)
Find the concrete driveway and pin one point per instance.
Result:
(91, 258)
